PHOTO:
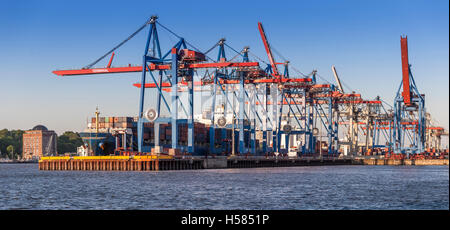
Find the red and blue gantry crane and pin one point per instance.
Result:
(409, 111)
(268, 111)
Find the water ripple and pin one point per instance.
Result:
(23, 186)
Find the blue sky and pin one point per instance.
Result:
(361, 38)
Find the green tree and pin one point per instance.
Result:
(68, 142)
(7, 138)
(10, 150)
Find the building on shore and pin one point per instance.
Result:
(39, 142)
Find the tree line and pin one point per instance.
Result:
(11, 143)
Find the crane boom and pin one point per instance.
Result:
(337, 79)
(405, 71)
(152, 67)
(268, 50)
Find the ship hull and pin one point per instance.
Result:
(99, 144)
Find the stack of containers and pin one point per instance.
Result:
(162, 133)
(201, 131)
(101, 122)
(182, 133)
(114, 122)
(168, 132)
(200, 134)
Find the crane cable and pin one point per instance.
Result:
(285, 60)
(119, 45)
(176, 35)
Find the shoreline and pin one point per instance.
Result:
(19, 162)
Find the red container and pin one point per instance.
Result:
(190, 55)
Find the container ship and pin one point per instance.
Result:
(107, 135)
(115, 135)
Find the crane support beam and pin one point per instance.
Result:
(337, 79)
(110, 60)
(200, 83)
(320, 102)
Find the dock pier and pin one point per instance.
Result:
(118, 163)
(160, 163)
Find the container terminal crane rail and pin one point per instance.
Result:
(258, 113)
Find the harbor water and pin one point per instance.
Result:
(23, 186)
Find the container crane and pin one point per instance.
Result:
(409, 106)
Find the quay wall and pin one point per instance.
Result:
(404, 161)
(158, 163)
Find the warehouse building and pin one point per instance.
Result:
(39, 142)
